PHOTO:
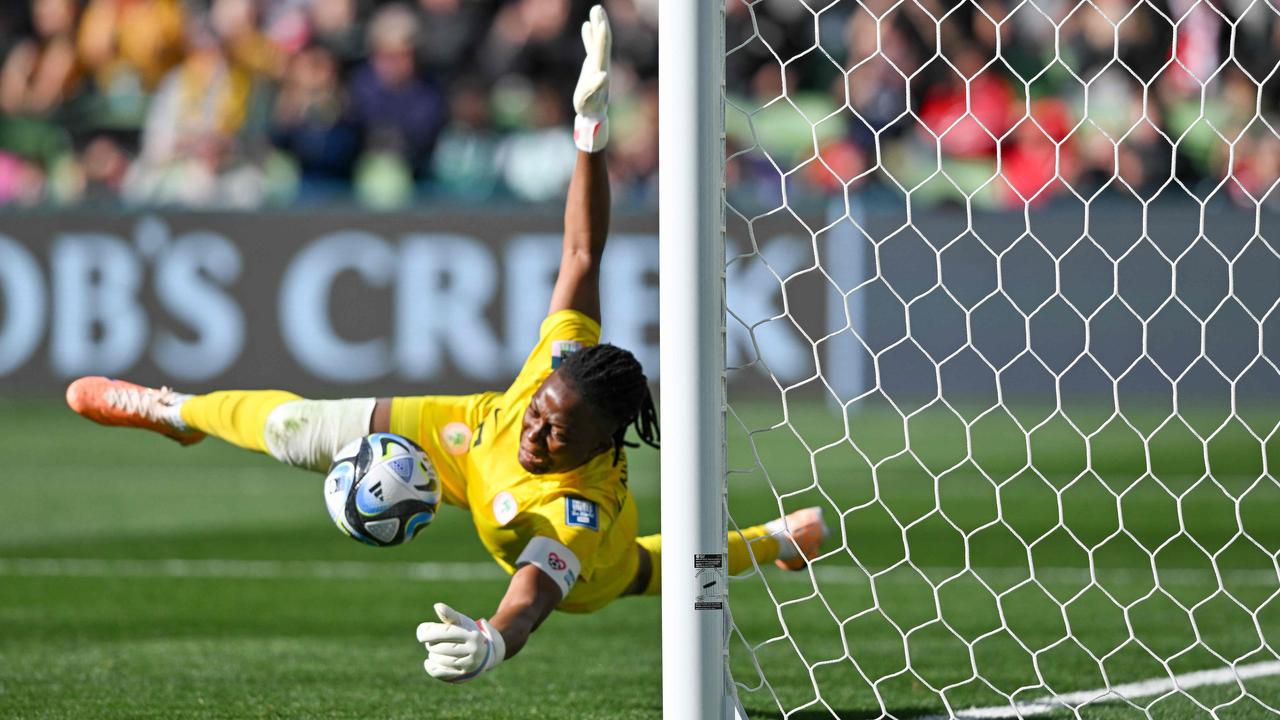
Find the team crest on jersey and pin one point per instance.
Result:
(505, 507)
(456, 438)
(561, 349)
(580, 512)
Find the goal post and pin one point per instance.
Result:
(691, 268)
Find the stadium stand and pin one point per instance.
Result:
(252, 103)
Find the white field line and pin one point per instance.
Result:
(251, 569)
(486, 571)
(1119, 693)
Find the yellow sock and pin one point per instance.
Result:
(237, 416)
(755, 540)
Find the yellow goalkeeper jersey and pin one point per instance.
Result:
(473, 440)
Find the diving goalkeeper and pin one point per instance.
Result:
(541, 467)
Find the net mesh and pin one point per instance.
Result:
(1000, 277)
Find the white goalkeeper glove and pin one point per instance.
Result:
(459, 648)
(591, 97)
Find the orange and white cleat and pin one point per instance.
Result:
(800, 535)
(124, 404)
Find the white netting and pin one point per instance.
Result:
(1001, 276)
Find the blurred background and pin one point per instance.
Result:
(252, 103)
(286, 103)
(268, 192)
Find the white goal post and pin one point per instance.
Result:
(691, 268)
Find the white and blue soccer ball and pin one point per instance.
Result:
(382, 489)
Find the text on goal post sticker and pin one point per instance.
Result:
(708, 571)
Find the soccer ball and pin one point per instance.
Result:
(382, 489)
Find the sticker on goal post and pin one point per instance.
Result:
(708, 570)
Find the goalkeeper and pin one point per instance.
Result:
(541, 467)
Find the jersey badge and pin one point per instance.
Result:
(505, 507)
(561, 349)
(580, 512)
(456, 438)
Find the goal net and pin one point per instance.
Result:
(1002, 281)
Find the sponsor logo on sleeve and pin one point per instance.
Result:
(556, 562)
(580, 512)
(561, 349)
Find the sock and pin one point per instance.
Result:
(307, 433)
(757, 540)
(237, 416)
(299, 432)
(171, 412)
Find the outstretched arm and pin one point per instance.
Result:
(459, 648)
(531, 596)
(586, 227)
(586, 211)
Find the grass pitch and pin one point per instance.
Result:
(141, 580)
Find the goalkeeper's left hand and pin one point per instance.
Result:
(591, 97)
(459, 648)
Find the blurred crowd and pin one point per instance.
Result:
(1004, 101)
(252, 103)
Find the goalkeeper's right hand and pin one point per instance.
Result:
(591, 97)
(459, 648)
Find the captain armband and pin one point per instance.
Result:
(553, 558)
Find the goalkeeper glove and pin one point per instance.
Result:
(591, 97)
(459, 648)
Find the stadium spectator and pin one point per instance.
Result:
(286, 23)
(193, 148)
(537, 162)
(102, 166)
(449, 32)
(464, 165)
(400, 113)
(311, 123)
(128, 46)
(40, 73)
(530, 38)
(235, 24)
(39, 83)
(336, 25)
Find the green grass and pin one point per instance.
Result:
(928, 581)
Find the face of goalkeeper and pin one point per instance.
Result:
(560, 430)
(584, 408)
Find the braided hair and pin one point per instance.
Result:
(611, 379)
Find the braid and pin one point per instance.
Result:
(612, 380)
